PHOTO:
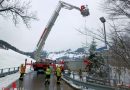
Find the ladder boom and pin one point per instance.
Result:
(49, 26)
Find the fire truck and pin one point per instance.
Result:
(42, 64)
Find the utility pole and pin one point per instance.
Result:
(103, 20)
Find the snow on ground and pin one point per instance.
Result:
(54, 56)
(7, 80)
(8, 59)
(124, 75)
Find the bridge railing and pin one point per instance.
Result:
(92, 83)
(90, 79)
(88, 84)
(8, 71)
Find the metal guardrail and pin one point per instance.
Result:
(93, 80)
(94, 84)
(8, 71)
(88, 84)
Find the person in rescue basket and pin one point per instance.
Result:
(48, 74)
(58, 74)
(22, 71)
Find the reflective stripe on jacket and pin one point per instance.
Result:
(48, 71)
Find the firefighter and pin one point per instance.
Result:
(22, 71)
(48, 74)
(58, 74)
(80, 75)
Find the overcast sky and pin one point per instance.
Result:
(63, 34)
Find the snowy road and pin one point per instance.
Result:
(33, 82)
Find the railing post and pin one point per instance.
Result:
(73, 76)
(9, 71)
(18, 68)
(25, 62)
(86, 78)
(14, 68)
(1, 71)
(31, 65)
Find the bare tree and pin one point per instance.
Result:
(120, 47)
(17, 10)
(117, 8)
(118, 42)
(119, 12)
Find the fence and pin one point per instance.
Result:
(91, 83)
(8, 71)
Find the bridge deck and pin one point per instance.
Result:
(33, 82)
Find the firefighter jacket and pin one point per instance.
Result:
(48, 71)
(58, 71)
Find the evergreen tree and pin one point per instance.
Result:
(92, 47)
(92, 50)
(92, 57)
(97, 60)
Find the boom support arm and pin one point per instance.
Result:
(48, 27)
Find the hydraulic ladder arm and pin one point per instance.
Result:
(51, 22)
